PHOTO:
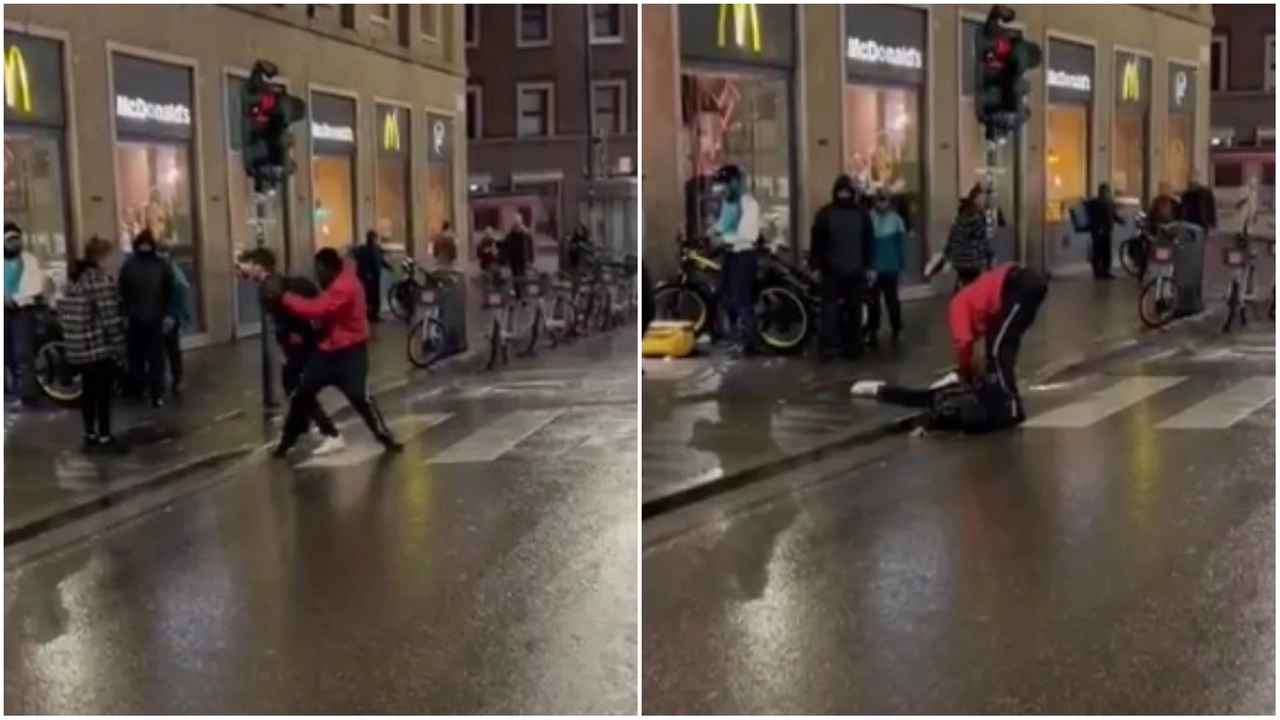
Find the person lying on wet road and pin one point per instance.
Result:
(970, 408)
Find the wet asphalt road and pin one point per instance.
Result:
(1097, 563)
(367, 584)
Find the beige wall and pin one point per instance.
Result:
(200, 36)
(1167, 34)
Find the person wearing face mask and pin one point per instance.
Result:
(93, 333)
(889, 259)
(24, 283)
(148, 290)
(182, 311)
(840, 251)
(738, 229)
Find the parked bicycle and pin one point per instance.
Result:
(692, 295)
(1159, 298)
(1134, 250)
(1241, 256)
(403, 294)
(428, 340)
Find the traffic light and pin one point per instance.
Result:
(1004, 58)
(268, 112)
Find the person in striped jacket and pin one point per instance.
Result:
(93, 333)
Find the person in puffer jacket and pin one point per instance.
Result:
(968, 249)
(841, 247)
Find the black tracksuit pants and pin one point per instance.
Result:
(843, 297)
(1020, 299)
(173, 355)
(98, 379)
(1100, 253)
(145, 345)
(348, 371)
(295, 362)
(885, 292)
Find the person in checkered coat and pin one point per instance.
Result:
(93, 333)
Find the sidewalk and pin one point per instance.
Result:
(711, 423)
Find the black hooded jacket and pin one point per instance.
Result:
(147, 285)
(842, 238)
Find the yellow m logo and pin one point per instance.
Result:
(17, 86)
(391, 131)
(745, 18)
(1131, 82)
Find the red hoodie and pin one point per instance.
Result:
(972, 309)
(339, 309)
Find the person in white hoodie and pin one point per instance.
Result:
(738, 229)
(24, 282)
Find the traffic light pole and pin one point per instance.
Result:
(269, 405)
(989, 186)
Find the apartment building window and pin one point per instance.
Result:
(429, 21)
(534, 104)
(606, 24)
(475, 108)
(471, 25)
(608, 105)
(1271, 62)
(1218, 62)
(533, 25)
(381, 14)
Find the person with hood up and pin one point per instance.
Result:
(370, 262)
(183, 313)
(341, 359)
(841, 247)
(516, 252)
(1199, 206)
(93, 335)
(968, 248)
(1103, 218)
(148, 292)
(738, 230)
(24, 283)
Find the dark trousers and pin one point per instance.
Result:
(372, 297)
(843, 297)
(173, 356)
(20, 349)
(964, 276)
(98, 380)
(1020, 299)
(295, 362)
(885, 291)
(145, 345)
(348, 371)
(738, 286)
(1100, 254)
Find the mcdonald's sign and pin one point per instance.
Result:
(391, 131)
(1131, 81)
(744, 18)
(17, 83)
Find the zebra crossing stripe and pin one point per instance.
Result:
(1224, 409)
(497, 438)
(358, 453)
(1104, 403)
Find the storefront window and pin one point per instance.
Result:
(392, 200)
(153, 189)
(737, 119)
(1066, 159)
(973, 160)
(1177, 151)
(1129, 172)
(333, 189)
(35, 196)
(882, 142)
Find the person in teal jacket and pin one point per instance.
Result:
(181, 314)
(887, 262)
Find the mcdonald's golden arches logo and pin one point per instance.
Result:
(745, 19)
(391, 131)
(17, 84)
(1131, 81)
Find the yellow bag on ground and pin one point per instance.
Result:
(668, 339)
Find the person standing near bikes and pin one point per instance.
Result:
(93, 337)
(738, 229)
(840, 250)
(516, 253)
(24, 283)
(1103, 218)
(183, 312)
(370, 262)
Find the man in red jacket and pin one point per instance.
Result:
(999, 305)
(342, 357)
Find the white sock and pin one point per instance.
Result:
(866, 388)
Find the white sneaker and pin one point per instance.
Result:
(866, 388)
(951, 378)
(330, 445)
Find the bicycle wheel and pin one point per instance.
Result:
(535, 331)
(677, 302)
(426, 343)
(1129, 260)
(1234, 306)
(400, 298)
(559, 325)
(1157, 301)
(782, 320)
(57, 378)
(496, 351)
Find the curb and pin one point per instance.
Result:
(43, 521)
(694, 491)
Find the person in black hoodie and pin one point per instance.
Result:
(147, 290)
(840, 248)
(370, 262)
(1199, 207)
(1103, 218)
(516, 253)
(298, 338)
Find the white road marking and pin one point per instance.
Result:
(365, 449)
(497, 438)
(1104, 403)
(1226, 408)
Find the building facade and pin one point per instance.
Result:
(537, 74)
(800, 94)
(119, 118)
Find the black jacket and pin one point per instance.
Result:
(842, 238)
(1199, 207)
(147, 288)
(516, 251)
(292, 332)
(1102, 214)
(370, 261)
